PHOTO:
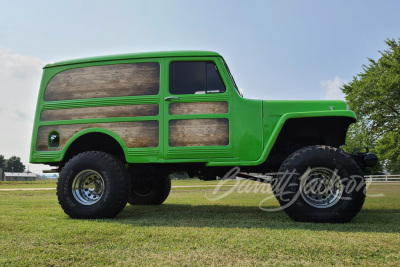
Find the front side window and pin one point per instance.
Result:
(197, 77)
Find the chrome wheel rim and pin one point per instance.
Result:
(321, 187)
(88, 187)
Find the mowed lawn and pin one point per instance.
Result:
(190, 229)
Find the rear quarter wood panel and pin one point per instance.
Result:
(100, 112)
(135, 134)
(105, 81)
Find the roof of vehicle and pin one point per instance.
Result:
(134, 56)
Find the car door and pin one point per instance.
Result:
(197, 117)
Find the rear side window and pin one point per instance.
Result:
(198, 77)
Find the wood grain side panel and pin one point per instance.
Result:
(135, 134)
(100, 112)
(199, 132)
(105, 81)
(198, 108)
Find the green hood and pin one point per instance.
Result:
(281, 107)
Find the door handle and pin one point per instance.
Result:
(169, 98)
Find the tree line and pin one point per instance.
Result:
(374, 96)
(13, 164)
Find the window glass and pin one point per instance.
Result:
(199, 77)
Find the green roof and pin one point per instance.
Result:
(134, 56)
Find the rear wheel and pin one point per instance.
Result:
(153, 190)
(93, 185)
(320, 184)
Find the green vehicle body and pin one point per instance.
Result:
(117, 127)
(261, 133)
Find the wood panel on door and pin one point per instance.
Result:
(198, 108)
(199, 132)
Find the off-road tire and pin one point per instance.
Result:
(151, 191)
(310, 164)
(114, 180)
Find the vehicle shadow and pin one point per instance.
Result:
(225, 216)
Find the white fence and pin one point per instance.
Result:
(382, 178)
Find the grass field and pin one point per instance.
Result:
(189, 229)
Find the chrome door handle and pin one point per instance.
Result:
(169, 98)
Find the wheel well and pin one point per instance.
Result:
(302, 132)
(94, 142)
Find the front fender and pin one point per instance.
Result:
(270, 141)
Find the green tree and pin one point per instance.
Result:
(374, 95)
(2, 162)
(14, 164)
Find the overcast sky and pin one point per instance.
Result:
(275, 49)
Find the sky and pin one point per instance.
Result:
(294, 50)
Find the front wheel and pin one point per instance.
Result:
(93, 185)
(320, 184)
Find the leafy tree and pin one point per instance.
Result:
(374, 95)
(2, 162)
(14, 164)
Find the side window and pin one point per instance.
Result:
(197, 77)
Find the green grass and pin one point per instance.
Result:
(190, 230)
(28, 184)
(52, 183)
